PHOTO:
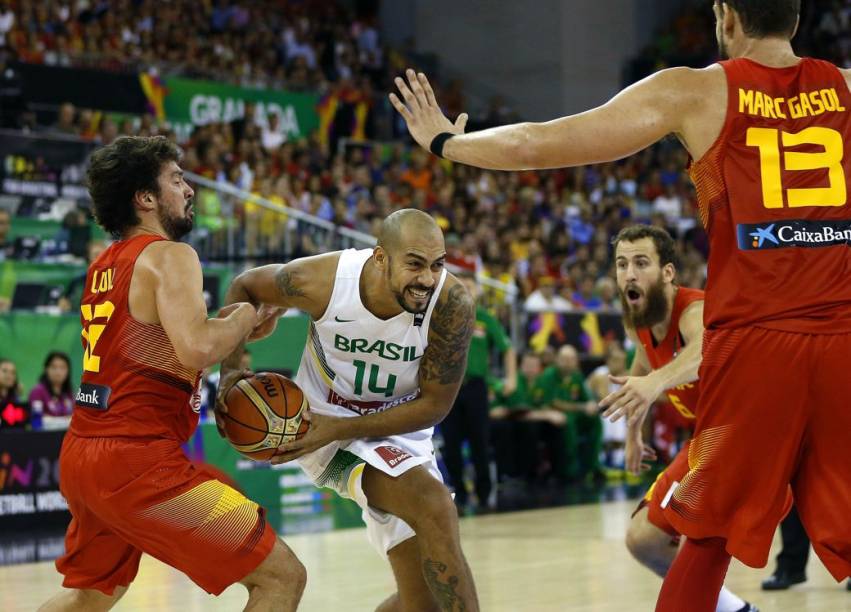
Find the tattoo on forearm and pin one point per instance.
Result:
(287, 285)
(445, 358)
(444, 592)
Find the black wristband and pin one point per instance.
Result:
(438, 141)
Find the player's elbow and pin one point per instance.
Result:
(196, 356)
(522, 147)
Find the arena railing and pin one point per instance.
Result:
(237, 226)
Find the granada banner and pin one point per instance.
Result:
(187, 103)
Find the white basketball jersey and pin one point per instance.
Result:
(355, 363)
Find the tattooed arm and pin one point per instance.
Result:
(441, 370)
(304, 283)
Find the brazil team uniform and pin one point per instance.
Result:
(357, 364)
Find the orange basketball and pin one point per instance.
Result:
(264, 412)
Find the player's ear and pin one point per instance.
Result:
(669, 272)
(144, 200)
(380, 257)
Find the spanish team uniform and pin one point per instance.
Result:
(129, 486)
(683, 398)
(773, 192)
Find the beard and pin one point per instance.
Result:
(413, 308)
(655, 307)
(176, 227)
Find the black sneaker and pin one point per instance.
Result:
(748, 607)
(782, 580)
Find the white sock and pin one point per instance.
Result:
(729, 602)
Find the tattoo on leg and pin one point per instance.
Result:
(444, 592)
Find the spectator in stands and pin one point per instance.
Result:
(614, 434)
(468, 419)
(272, 134)
(51, 400)
(10, 388)
(70, 300)
(545, 298)
(7, 20)
(65, 120)
(567, 391)
(585, 298)
(607, 291)
(514, 432)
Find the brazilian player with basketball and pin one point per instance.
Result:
(385, 356)
(769, 134)
(665, 322)
(146, 336)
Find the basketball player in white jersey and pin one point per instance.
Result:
(385, 356)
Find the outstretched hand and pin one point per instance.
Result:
(632, 400)
(638, 453)
(420, 110)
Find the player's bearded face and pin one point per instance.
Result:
(644, 307)
(176, 225)
(410, 293)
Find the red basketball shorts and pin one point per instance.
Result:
(128, 496)
(774, 410)
(654, 499)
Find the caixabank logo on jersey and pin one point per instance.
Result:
(793, 233)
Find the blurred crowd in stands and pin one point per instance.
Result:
(547, 233)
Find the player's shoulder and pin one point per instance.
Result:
(692, 83)
(168, 256)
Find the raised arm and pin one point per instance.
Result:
(441, 371)
(175, 273)
(662, 104)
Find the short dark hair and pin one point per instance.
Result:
(761, 18)
(121, 169)
(665, 246)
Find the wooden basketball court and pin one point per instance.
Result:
(570, 558)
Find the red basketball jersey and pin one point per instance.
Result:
(773, 193)
(683, 397)
(133, 384)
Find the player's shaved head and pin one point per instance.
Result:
(403, 226)
(411, 253)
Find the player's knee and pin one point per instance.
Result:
(435, 512)
(84, 599)
(650, 546)
(280, 571)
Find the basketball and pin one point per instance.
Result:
(264, 412)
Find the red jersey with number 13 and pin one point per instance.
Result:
(773, 193)
(659, 354)
(133, 384)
